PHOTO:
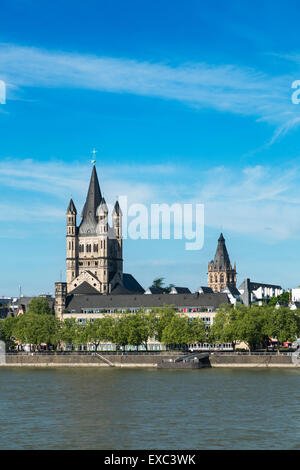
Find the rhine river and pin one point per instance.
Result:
(149, 409)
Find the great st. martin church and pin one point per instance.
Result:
(95, 282)
(94, 249)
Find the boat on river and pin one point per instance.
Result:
(187, 361)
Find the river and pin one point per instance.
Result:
(88, 408)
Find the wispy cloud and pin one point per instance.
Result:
(225, 88)
(259, 201)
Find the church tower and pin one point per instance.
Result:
(117, 226)
(220, 272)
(71, 242)
(94, 249)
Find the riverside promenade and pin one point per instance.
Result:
(142, 359)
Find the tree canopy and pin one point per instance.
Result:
(254, 325)
(39, 306)
(158, 283)
(283, 298)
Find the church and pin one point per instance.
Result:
(95, 282)
(221, 274)
(94, 248)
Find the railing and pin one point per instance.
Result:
(143, 353)
(252, 353)
(83, 353)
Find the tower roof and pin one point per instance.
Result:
(221, 260)
(71, 208)
(93, 199)
(117, 209)
(102, 208)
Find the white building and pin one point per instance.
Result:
(258, 292)
(295, 295)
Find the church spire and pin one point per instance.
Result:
(71, 208)
(93, 199)
(220, 272)
(221, 260)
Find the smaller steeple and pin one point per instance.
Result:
(117, 223)
(220, 272)
(117, 209)
(221, 260)
(71, 208)
(102, 208)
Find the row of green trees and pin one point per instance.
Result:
(125, 329)
(255, 325)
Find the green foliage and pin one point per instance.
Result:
(35, 329)
(159, 284)
(254, 325)
(282, 298)
(161, 318)
(8, 328)
(182, 331)
(249, 325)
(139, 329)
(282, 323)
(197, 331)
(39, 306)
(7, 331)
(69, 331)
(120, 331)
(2, 332)
(99, 330)
(223, 328)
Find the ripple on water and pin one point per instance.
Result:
(149, 409)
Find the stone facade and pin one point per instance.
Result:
(94, 249)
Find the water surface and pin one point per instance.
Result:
(88, 408)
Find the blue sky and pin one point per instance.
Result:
(185, 102)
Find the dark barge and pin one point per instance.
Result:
(187, 361)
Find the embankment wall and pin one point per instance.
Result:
(140, 360)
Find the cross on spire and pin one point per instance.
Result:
(93, 161)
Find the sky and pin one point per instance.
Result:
(185, 102)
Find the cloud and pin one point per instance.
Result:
(259, 201)
(43, 212)
(225, 88)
